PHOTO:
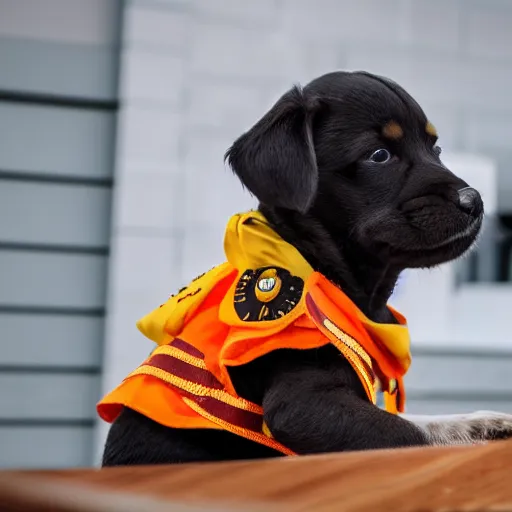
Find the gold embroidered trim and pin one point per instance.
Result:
(248, 434)
(348, 340)
(197, 389)
(354, 353)
(168, 350)
(361, 370)
(266, 430)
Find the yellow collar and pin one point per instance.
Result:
(250, 243)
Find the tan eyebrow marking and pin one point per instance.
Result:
(431, 129)
(393, 131)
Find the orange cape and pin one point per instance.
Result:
(263, 298)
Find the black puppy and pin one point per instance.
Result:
(348, 171)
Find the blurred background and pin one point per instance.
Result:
(114, 118)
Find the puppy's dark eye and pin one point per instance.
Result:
(437, 150)
(381, 156)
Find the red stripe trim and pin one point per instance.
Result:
(234, 415)
(228, 413)
(186, 347)
(319, 317)
(184, 370)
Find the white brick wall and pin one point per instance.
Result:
(196, 73)
(488, 31)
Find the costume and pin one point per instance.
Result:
(264, 297)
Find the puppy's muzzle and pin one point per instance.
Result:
(470, 201)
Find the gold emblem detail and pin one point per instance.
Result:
(268, 285)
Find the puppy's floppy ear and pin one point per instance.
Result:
(275, 159)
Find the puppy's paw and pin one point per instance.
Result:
(474, 428)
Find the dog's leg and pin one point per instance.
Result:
(315, 403)
(472, 428)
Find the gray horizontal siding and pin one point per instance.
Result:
(60, 47)
(443, 381)
(445, 406)
(67, 21)
(85, 71)
(51, 447)
(460, 373)
(58, 107)
(31, 279)
(58, 141)
(48, 396)
(49, 213)
(50, 340)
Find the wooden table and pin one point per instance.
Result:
(419, 479)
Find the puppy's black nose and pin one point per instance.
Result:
(470, 201)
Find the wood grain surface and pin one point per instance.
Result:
(418, 479)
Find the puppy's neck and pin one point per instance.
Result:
(364, 278)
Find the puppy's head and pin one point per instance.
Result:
(357, 153)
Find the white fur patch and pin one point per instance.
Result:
(472, 428)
